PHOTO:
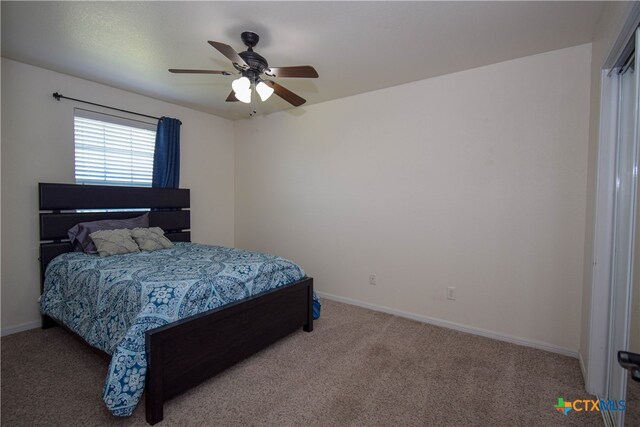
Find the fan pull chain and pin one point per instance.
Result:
(253, 105)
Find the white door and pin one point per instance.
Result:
(626, 183)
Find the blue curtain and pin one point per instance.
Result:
(166, 158)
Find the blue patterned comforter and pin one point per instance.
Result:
(111, 302)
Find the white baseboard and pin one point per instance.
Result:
(19, 328)
(455, 326)
(418, 317)
(583, 369)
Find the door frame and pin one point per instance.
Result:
(597, 361)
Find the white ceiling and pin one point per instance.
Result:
(356, 47)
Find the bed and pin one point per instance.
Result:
(202, 340)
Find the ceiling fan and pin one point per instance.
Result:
(252, 67)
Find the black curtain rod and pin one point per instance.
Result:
(59, 96)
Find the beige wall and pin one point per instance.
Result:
(474, 180)
(610, 24)
(37, 146)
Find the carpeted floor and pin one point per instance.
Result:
(358, 368)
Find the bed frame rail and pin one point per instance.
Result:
(54, 196)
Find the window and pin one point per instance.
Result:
(113, 150)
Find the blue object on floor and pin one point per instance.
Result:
(316, 308)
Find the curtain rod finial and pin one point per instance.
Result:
(57, 96)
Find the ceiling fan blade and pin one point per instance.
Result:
(297, 71)
(185, 71)
(285, 94)
(232, 97)
(230, 53)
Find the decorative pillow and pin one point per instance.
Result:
(114, 242)
(79, 233)
(150, 239)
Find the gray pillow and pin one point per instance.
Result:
(79, 233)
(150, 239)
(114, 242)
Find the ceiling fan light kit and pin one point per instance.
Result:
(251, 65)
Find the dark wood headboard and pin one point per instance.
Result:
(58, 204)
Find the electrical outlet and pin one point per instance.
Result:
(372, 279)
(451, 293)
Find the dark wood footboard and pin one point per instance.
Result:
(185, 353)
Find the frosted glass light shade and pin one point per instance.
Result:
(264, 91)
(244, 96)
(242, 89)
(241, 84)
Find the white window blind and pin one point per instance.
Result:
(112, 150)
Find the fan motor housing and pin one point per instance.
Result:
(255, 61)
